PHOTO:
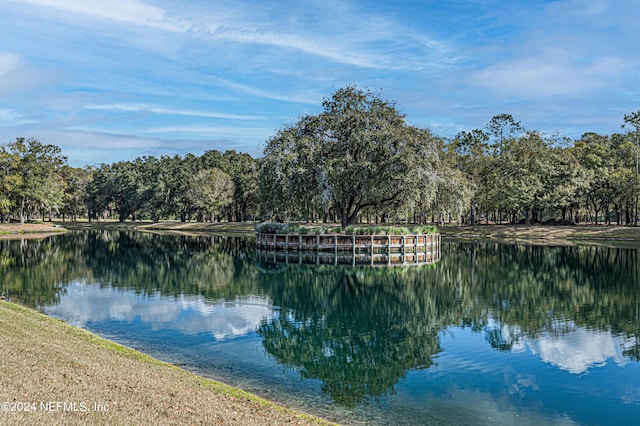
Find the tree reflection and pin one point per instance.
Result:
(360, 330)
(353, 329)
(36, 272)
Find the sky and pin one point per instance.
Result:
(115, 80)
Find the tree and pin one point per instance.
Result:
(522, 165)
(210, 190)
(358, 153)
(502, 127)
(9, 181)
(565, 182)
(471, 158)
(242, 170)
(454, 194)
(76, 181)
(633, 120)
(33, 173)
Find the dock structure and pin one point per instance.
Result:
(411, 249)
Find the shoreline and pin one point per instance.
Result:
(72, 376)
(29, 230)
(587, 234)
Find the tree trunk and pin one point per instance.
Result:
(22, 213)
(472, 214)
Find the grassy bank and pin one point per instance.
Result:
(239, 228)
(53, 373)
(619, 236)
(29, 230)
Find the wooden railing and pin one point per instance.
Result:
(346, 258)
(349, 243)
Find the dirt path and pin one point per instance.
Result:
(55, 374)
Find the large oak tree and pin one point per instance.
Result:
(358, 153)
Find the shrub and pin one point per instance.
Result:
(362, 230)
(424, 229)
(272, 228)
(401, 230)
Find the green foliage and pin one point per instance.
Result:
(272, 228)
(358, 153)
(210, 190)
(401, 230)
(380, 230)
(30, 178)
(215, 184)
(424, 229)
(357, 158)
(294, 228)
(303, 230)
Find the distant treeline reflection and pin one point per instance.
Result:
(357, 329)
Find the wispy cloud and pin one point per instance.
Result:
(8, 63)
(87, 147)
(125, 11)
(350, 40)
(540, 77)
(155, 109)
(9, 117)
(250, 132)
(145, 75)
(19, 76)
(266, 94)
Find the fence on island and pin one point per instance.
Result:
(412, 249)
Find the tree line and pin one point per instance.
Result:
(358, 160)
(37, 183)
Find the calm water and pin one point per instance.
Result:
(491, 334)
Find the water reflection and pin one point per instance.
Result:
(357, 330)
(364, 334)
(84, 304)
(402, 258)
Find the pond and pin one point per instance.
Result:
(490, 334)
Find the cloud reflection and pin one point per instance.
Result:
(574, 349)
(83, 304)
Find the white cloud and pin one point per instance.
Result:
(125, 11)
(9, 117)
(8, 63)
(311, 98)
(346, 38)
(132, 107)
(87, 147)
(125, 70)
(19, 76)
(252, 132)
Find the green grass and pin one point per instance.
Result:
(49, 336)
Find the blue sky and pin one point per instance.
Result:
(114, 80)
